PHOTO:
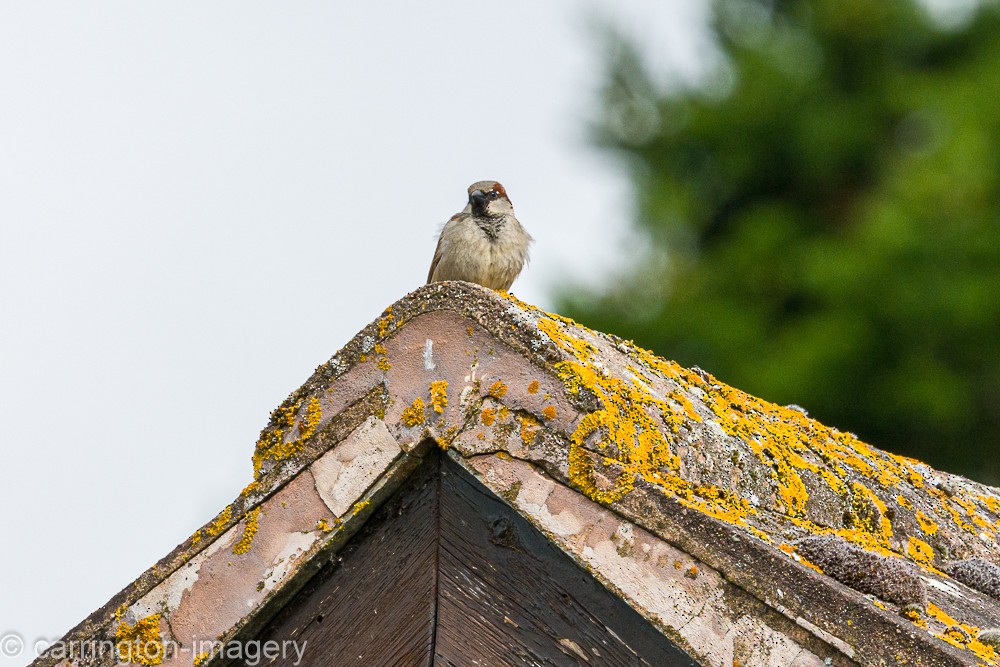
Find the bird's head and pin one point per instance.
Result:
(488, 199)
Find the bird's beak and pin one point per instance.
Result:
(478, 201)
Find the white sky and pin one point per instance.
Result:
(201, 202)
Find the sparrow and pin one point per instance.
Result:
(483, 243)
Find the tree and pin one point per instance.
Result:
(823, 219)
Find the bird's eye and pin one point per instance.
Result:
(493, 194)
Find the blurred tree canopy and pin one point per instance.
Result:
(823, 218)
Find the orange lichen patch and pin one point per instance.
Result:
(250, 488)
(991, 502)
(497, 389)
(692, 571)
(920, 551)
(529, 428)
(549, 412)
(625, 427)
(385, 323)
(533, 387)
(414, 414)
(645, 413)
(140, 643)
(761, 535)
(926, 523)
(965, 639)
(791, 551)
(972, 512)
(249, 530)
(439, 395)
(220, 521)
(872, 529)
(487, 416)
(914, 616)
(948, 506)
(287, 435)
(580, 349)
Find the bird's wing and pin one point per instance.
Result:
(438, 251)
(434, 262)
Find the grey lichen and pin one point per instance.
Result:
(890, 579)
(990, 637)
(977, 573)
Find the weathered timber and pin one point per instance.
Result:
(446, 570)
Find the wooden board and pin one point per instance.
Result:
(447, 574)
(374, 603)
(508, 596)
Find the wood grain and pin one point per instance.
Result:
(507, 596)
(446, 574)
(374, 603)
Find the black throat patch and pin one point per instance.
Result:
(490, 225)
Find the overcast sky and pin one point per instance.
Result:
(201, 202)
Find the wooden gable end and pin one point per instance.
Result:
(445, 573)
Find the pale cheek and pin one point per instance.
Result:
(500, 207)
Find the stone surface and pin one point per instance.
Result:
(629, 462)
(345, 472)
(689, 600)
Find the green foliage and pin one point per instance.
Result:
(823, 219)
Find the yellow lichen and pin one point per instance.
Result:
(439, 395)
(249, 530)
(287, 435)
(360, 506)
(383, 364)
(250, 488)
(926, 523)
(220, 522)
(385, 322)
(529, 428)
(487, 416)
(196, 538)
(920, 551)
(964, 639)
(325, 525)
(414, 414)
(140, 643)
(498, 389)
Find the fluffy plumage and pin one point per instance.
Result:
(483, 243)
